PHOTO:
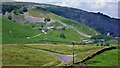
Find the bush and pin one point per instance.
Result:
(25, 9)
(63, 28)
(102, 44)
(62, 35)
(47, 19)
(97, 44)
(9, 17)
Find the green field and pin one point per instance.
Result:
(31, 55)
(108, 58)
(81, 51)
(18, 55)
(113, 42)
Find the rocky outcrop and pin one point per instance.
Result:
(32, 19)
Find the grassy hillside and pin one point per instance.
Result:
(99, 21)
(13, 32)
(24, 33)
(114, 42)
(81, 27)
(108, 58)
(17, 33)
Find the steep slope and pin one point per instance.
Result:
(20, 33)
(80, 28)
(28, 32)
(13, 32)
(102, 23)
(98, 21)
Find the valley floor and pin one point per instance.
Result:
(46, 54)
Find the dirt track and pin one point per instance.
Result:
(80, 33)
(64, 58)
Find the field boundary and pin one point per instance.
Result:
(96, 53)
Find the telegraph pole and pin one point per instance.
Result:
(73, 51)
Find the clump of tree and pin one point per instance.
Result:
(100, 37)
(103, 44)
(9, 8)
(18, 11)
(103, 14)
(62, 35)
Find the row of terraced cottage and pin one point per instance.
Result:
(52, 28)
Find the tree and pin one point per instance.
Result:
(9, 17)
(25, 9)
(62, 35)
(42, 26)
(102, 44)
(97, 44)
(33, 26)
(97, 37)
(47, 19)
(9, 8)
(63, 28)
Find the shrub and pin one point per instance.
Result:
(25, 9)
(102, 44)
(62, 35)
(47, 19)
(9, 17)
(97, 44)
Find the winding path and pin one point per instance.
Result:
(34, 36)
(80, 33)
(64, 58)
